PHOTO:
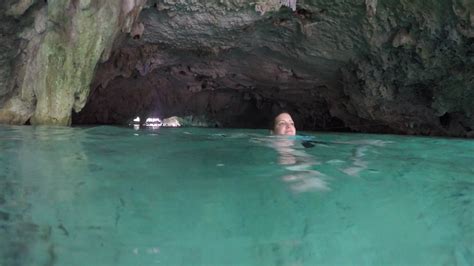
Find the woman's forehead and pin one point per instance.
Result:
(283, 117)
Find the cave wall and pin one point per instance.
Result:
(50, 54)
(419, 72)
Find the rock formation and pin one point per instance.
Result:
(373, 66)
(51, 52)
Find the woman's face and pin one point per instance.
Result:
(284, 125)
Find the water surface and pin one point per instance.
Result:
(188, 196)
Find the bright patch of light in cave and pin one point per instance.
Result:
(151, 122)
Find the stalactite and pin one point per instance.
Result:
(371, 7)
(289, 3)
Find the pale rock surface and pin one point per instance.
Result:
(171, 122)
(51, 55)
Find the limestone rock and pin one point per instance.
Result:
(56, 57)
(171, 122)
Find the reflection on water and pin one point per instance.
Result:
(302, 177)
(301, 165)
(358, 164)
(36, 161)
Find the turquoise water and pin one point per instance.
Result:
(187, 196)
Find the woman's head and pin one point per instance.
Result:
(283, 125)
